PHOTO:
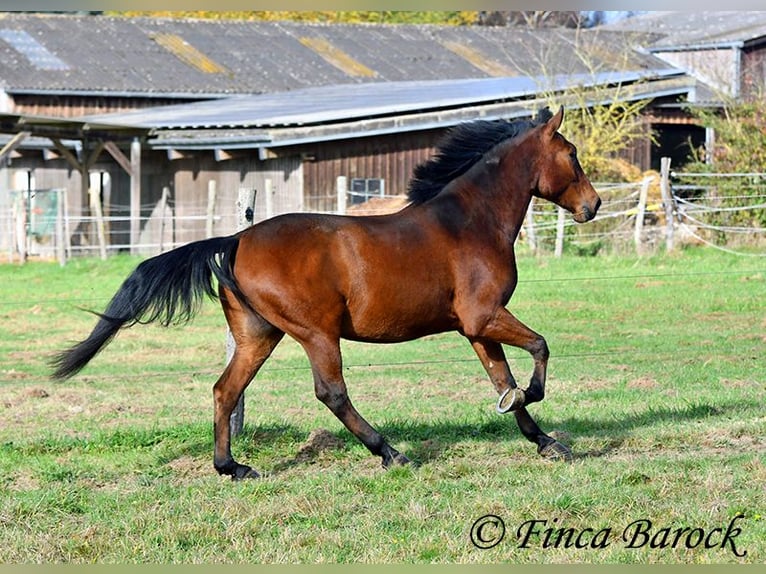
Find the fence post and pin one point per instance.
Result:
(667, 201)
(245, 213)
(268, 192)
(20, 224)
(341, 188)
(211, 193)
(67, 226)
(530, 225)
(559, 233)
(163, 214)
(98, 214)
(640, 213)
(60, 246)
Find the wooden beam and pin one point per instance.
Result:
(68, 155)
(119, 157)
(221, 154)
(13, 144)
(93, 156)
(49, 154)
(265, 153)
(175, 154)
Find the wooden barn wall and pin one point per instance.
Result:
(53, 105)
(754, 72)
(302, 178)
(191, 182)
(390, 157)
(108, 178)
(187, 181)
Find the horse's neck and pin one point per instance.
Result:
(484, 209)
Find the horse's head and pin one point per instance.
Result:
(561, 179)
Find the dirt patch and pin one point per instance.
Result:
(37, 393)
(187, 466)
(595, 384)
(643, 383)
(319, 441)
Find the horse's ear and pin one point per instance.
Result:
(553, 124)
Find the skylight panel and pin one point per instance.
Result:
(37, 54)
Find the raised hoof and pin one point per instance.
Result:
(556, 451)
(510, 400)
(244, 472)
(397, 460)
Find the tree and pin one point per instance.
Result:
(603, 119)
(531, 18)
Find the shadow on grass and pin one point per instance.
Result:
(429, 440)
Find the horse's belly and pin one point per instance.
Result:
(394, 319)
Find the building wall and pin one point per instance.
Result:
(301, 178)
(754, 72)
(717, 68)
(389, 157)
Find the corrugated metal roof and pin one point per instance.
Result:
(328, 104)
(107, 55)
(341, 112)
(675, 30)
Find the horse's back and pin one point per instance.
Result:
(375, 278)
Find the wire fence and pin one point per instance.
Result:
(723, 211)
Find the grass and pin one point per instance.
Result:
(656, 381)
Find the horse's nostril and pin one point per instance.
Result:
(598, 204)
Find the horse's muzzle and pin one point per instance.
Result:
(587, 212)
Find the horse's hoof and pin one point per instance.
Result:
(397, 460)
(244, 472)
(556, 451)
(510, 400)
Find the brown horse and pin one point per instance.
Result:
(443, 263)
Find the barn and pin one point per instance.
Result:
(151, 127)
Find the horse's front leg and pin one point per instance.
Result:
(504, 328)
(512, 398)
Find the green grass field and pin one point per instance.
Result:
(657, 381)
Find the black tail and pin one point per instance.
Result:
(168, 288)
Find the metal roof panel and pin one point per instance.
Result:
(343, 102)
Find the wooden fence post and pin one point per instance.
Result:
(211, 193)
(67, 226)
(268, 195)
(640, 213)
(60, 242)
(667, 201)
(98, 214)
(530, 226)
(245, 214)
(163, 213)
(560, 220)
(20, 224)
(341, 188)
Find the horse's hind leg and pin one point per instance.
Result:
(254, 343)
(330, 388)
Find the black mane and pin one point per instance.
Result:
(461, 148)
